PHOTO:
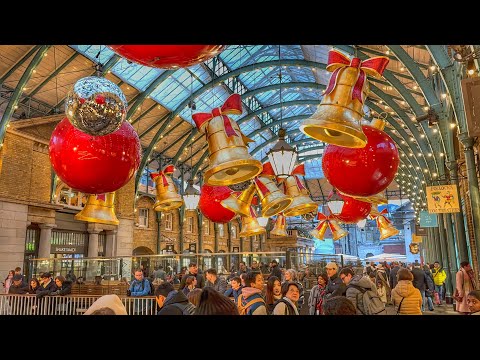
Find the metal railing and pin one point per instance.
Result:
(68, 305)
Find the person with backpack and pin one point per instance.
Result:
(140, 287)
(172, 302)
(362, 293)
(250, 301)
(287, 305)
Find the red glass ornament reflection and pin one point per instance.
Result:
(168, 56)
(353, 210)
(94, 164)
(362, 172)
(209, 205)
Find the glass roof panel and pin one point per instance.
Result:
(96, 53)
(313, 168)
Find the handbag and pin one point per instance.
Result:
(400, 306)
(436, 295)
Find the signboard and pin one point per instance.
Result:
(428, 220)
(421, 231)
(169, 248)
(192, 248)
(236, 249)
(471, 98)
(66, 249)
(442, 199)
(417, 239)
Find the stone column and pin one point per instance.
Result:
(45, 236)
(93, 268)
(447, 256)
(110, 243)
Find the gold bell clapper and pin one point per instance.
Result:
(273, 200)
(250, 225)
(168, 197)
(240, 203)
(229, 160)
(385, 227)
(337, 119)
(99, 209)
(294, 188)
(280, 228)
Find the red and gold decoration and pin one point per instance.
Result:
(168, 197)
(240, 203)
(375, 200)
(280, 227)
(362, 172)
(294, 188)
(96, 106)
(353, 210)
(210, 203)
(273, 200)
(94, 164)
(337, 119)
(250, 225)
(167, 56)
(328, 222)
(414, 248)
(385, 226)
(229, 160)
(99, 209)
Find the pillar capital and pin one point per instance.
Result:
(47, 226)
(466, 140)
(111, 232)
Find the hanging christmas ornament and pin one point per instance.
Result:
(328, 223)
(319, 231)
(337, 119)
(94, 164)
(293, 187)
(373, 167)
(168, 197)
(96, 106)
(353, 210)
(414, 248)
(272, 199)
(385, 226)
(168, 56)
(240, 202)
(210, 206)
(280, 228)
(99, 209)
(229, 160)
(250, 225)
(375, 200)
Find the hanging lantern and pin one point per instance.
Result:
(168, 56)
(335, 202)
(250, 225)
(96, 106)
(229, 160)
(282, 156)
(353, 210)
(210, 203)
(280, 228)
(294, 188)
(272, 199)
(240, 203)
(94, 164)
(337, 119)
(167, 193)
(99, 209)
(191, 197)
(373, 167)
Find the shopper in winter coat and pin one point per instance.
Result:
(406, 298)
(439, 275)
(315, 299)
(465, 282)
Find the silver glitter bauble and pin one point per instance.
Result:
(96, 106)
(240, 186)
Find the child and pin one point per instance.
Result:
(381, 292)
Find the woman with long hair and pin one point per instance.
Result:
(190, 284)
(33, 285)
(8, 281)
(315, 300)
(274, 292)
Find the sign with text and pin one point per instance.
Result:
(192, 248)
(428, 220)
(442, 199)
(236, 249)
(420, 231)
(169, 248)
(66, 249)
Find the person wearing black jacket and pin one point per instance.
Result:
(170, 301)
(335, 285)
(276, 270)
(393, 275)
(193, 271)
(18, 286)
(430, 287)
(419, 281)
(62, 286)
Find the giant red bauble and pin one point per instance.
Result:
(94, 164)
(353, 210)
(167, 56)
(209, 204)
(362, 172)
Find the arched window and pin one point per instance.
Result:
(64, 195)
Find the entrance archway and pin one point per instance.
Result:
(140, 261)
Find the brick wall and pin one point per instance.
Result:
(125, 200)
(145, 236)
(173, 234)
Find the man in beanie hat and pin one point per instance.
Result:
(18, 286)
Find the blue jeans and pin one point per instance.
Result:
(439, 289)
(429, 302)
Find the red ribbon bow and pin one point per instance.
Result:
(374, 66)
(252, 212)
(267, 170)
(168, 170)
(101, 197)
(232, 106)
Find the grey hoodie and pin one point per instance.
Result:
(355, 295)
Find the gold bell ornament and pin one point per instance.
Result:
(250, 225)
(273, 200)
(280, 228)
(337, 118)
(294, 188)
(319, 231)
(167, 193)
(99, 209)
(230, 162)
(385, 226)
(239, 202)
(337, 231)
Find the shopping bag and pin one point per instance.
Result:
(437, 298)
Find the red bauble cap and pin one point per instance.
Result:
(209, 204)
(362, 172)
(94, 164)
